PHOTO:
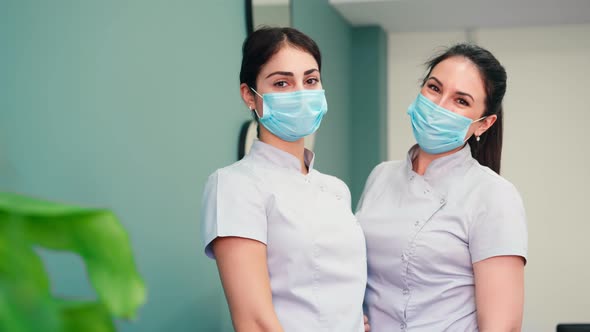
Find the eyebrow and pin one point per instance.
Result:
(288, 73)
(461, 93)
(309, 71)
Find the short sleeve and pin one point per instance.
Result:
(499, 228)
(232, 206)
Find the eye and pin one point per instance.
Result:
(312, 81)
(433, 87)
(280, 84)
(463, 102)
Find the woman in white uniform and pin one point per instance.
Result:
(446, 235)
(290, 253)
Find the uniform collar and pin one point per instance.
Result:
(442, 166)
(270, 154)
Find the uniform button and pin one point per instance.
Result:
(412, 177)
(404, 257)
(442, 201)
(417, 223)
(338, 197)
(403, 326)
(307, 180)
(406, 291)
(322, 188)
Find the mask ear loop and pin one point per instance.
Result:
(474, 121)
(253, 109)
(483, 117)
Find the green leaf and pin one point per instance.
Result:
(95, 234)
(25, 302)
(87, 317)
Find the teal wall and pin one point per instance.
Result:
(130, 105)
(369, 104)
(332, 33)
(127, 105)
(352, 138)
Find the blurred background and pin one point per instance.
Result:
(130, 105)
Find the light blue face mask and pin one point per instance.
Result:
(436, 129)
(293, 115)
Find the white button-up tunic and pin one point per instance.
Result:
(424, 233)
(315, 248)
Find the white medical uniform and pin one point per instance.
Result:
(424, 233)
(316, 251)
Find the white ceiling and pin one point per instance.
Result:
(432, 15)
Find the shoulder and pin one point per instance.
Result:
(492, 180)
(388, 167)
(493, 189)
(385, 172)
(238, 176)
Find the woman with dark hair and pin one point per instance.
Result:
(446, 234)
(290, 253)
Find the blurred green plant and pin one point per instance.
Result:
(26, 302)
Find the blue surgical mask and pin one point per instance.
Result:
(436, 129)
(293, 115)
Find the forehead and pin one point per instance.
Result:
(459, 73)
(290, 59)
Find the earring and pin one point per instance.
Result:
(477, 138)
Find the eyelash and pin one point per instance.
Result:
(315, 80)
(433, 87)
(437, 90)
(281, 84)
(463, 102)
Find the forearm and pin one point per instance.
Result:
(501, 312)
(501, 316)
(245, 279)
(502, 328)
(257, 324)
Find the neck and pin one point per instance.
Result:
(423, 159)
(296, 148)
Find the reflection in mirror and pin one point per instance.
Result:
(273, 13)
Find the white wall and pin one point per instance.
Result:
(546, 150)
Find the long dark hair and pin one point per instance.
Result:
(488, 151)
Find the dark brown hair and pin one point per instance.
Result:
(488, 151)
(263, 43)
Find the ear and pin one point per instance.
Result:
(247, 96)
(486, 124)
